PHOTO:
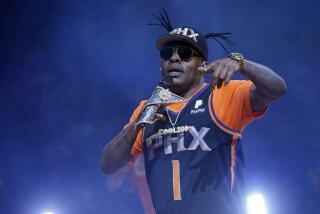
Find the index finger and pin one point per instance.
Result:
(209, 69)
(206, 69)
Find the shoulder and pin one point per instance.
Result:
(138, 110)
(235, 85)
(232, 104)
(235, 90)
(141, 105)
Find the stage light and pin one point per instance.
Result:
(256, 204)
(48, 212)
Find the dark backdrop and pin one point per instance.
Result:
(72, 72)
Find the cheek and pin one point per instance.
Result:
(195, 67)
(193, 74)
(192, 70)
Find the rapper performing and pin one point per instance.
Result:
(189, 130)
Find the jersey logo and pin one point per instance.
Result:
(198, 104)
(196, 108)
(157, 141)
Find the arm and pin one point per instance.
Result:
(268, 86)
(118, 151)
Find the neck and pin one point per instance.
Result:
(190, 91)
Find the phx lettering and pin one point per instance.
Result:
(156, 141)
(186, 32)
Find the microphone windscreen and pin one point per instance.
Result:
(166, 82)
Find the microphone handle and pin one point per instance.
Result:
(147, 115)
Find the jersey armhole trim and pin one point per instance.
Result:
(217, 121)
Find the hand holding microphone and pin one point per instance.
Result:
(149, 113)
(161, 96)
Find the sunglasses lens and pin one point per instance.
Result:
(166, 53)
(185, 52)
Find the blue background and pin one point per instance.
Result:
(72, 72)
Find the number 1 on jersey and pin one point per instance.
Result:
(176, 180)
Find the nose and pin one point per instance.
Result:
(175, 57)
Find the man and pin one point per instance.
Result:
(193, 156)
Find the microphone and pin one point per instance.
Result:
(160, 95)
(166, 82)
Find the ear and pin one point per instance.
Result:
(204, 63)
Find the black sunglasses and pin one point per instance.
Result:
(184, 52)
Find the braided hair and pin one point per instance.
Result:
(222, 39)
